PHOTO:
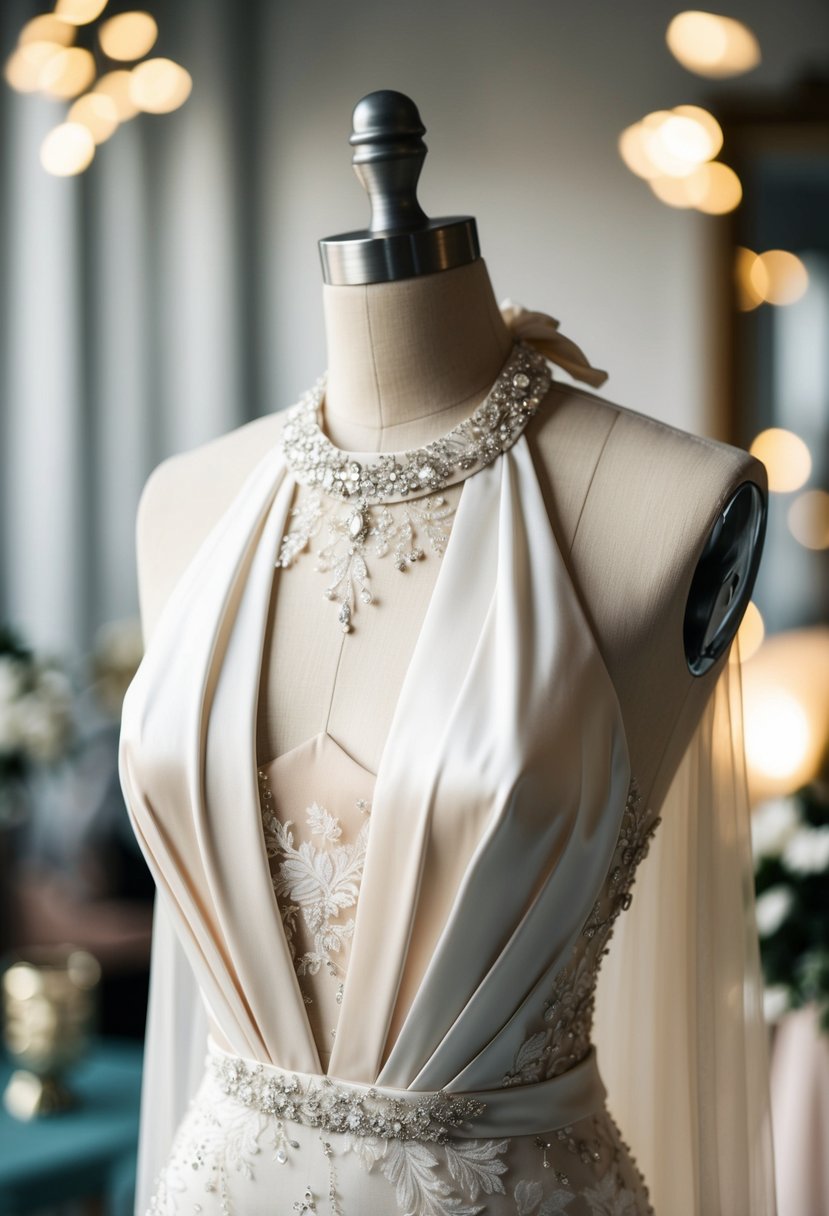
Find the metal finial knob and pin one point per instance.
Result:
(400, 241)
(388, 155)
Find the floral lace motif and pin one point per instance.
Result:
(560, 1038)
(320, 882)
(240, 1121)
(354, 530)
(223, 1146)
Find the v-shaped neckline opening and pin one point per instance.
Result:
(418, 642)
(259, 675)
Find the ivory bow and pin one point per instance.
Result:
(541, 331)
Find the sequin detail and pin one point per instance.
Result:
(560, 1038)
(361, 529)
(338, 1108)
(491, 428)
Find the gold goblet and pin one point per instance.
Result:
(50, 1005)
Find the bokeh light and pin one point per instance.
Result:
(25, 66)
(778, 738)
(786, 457)
(159, 85)
(712, 45)
(117, 86)
(808, 519)
(47, 28)
(68, 72)
(98, 113)
(67, 149)
(751, 632)
(128, 36)
(79, 12)
(780, 277)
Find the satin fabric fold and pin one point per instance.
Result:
(506, 752)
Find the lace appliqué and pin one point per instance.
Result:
(318, 882)
(563, 1039)
(358, 529)
(414, 1170)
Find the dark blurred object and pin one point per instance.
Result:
(87, 1152)
(78, 871)
(49, 1007)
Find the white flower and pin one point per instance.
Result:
(775, 1002)
(808, 851)
(44, 716)
(772, 908)
(772, 826)
(12, 679)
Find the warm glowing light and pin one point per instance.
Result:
(159, 85)
(47, 28)
(780, 277)
(711, 45)
(707, 121)
(658, 150)
(80, 12)
(117, 86)
(68, 72)
(786, 711)
(808, 519)
(67, 149)
(721, 188)
(777, 735)
(675, 191)
(98, 113)
(25, 66)
(634, 152)
(686, 139)
(750, 279)
(786, 458)
(128, 36)
(751, 632)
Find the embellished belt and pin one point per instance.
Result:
(317, 1100)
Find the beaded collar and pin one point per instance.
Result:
(391, 476)
(337, 476)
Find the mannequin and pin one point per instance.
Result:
(659, 533)
(408, 359)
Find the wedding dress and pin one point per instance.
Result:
(294, 896)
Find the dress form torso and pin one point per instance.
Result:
(584, 433)
(631, 502)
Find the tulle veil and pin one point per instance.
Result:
(681, 1038)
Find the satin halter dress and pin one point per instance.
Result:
(298, 887)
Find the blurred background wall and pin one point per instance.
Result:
(172, 291)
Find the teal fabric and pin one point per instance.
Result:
(89, 1150)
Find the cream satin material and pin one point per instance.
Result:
(517, 1110)
(506, 753)
(540, 330)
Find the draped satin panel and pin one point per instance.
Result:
(506, 752)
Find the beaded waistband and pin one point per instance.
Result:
(317, 1100)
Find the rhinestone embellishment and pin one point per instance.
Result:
(367, 523)
(337, 1108)
(491, 428)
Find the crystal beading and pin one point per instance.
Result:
(367, 523)
(338, 1108)
(490, 430)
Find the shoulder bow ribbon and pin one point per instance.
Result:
(541, 331)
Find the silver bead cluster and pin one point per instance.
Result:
(489, 430)
(337, 1108)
